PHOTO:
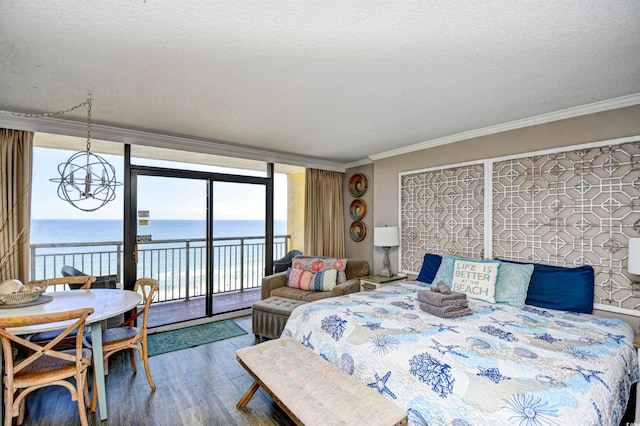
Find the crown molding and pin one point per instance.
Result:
(137, 137)
(358, 163)
(615, 103)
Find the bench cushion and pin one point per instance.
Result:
(314, 390)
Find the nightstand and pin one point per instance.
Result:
(372, 282)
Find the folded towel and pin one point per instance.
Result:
(445, 311)
(438, 299)
(441, 287)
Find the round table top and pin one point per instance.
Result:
(106, 303)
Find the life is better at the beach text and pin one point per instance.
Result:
(472, 278)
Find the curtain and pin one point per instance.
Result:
(15, 203)
(324, 216)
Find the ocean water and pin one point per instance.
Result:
(165, 261)
(51, 231)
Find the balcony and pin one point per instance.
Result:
(178, 265)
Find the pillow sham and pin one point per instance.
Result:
(561, 288)
(316, 264)
(476, 279)
(430, 265)
(513, 283)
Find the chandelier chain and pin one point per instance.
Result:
(48, 114)
(88, 102)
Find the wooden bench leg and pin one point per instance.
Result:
(247, 396)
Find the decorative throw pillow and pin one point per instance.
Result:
(476, 279)
(324, 281)
(561, 288)
(298, 278)
(316, 264)
(513, 283)
(305, 280)
(445, 270)
(430, 265)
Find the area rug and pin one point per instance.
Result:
(196, 335)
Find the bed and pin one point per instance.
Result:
(500, 365)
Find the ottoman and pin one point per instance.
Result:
(270, 315)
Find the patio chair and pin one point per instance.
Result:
(44, 365)
(104, 281)
(127, 336)
(283, 264)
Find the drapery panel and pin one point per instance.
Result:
(324, 217)
(16, 161)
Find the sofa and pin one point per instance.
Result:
(275, 285)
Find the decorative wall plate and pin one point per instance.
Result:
(358, 230)
(358, 185)
(358, 209)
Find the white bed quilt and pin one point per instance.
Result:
(501, 365)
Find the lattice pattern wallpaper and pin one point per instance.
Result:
(442, 212)
(568, 209)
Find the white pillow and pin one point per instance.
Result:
(476, 279)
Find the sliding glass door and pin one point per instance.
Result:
(171, 238)
(206, 237)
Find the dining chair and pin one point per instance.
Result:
(44, 365)
(84, 282)
(80, 283)
(128, 336)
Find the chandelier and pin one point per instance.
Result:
(87, 181)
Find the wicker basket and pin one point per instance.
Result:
(25, 296)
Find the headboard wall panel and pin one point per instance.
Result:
(442, 212)
(565, 208)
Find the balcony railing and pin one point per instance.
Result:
(179, 265)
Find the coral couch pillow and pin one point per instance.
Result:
(319, 264)
(430, 265)
(305, 280)
(476, 279)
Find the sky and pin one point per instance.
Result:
(163, 198)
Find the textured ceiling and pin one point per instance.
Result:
(333, 80)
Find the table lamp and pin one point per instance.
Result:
(386, 237)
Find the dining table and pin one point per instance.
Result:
(107, 303)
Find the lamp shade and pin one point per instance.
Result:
(388, 236)
(634, 256)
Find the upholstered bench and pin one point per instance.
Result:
(270, 315)
(311, 390)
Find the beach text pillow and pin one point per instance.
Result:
(476, 279)
(445, 270)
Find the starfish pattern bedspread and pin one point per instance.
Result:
(501, 365)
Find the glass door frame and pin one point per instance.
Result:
(131, 208)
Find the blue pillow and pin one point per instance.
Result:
(513, 283)
(564, 289)
(430, 265)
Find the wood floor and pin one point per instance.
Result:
(197, 386)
